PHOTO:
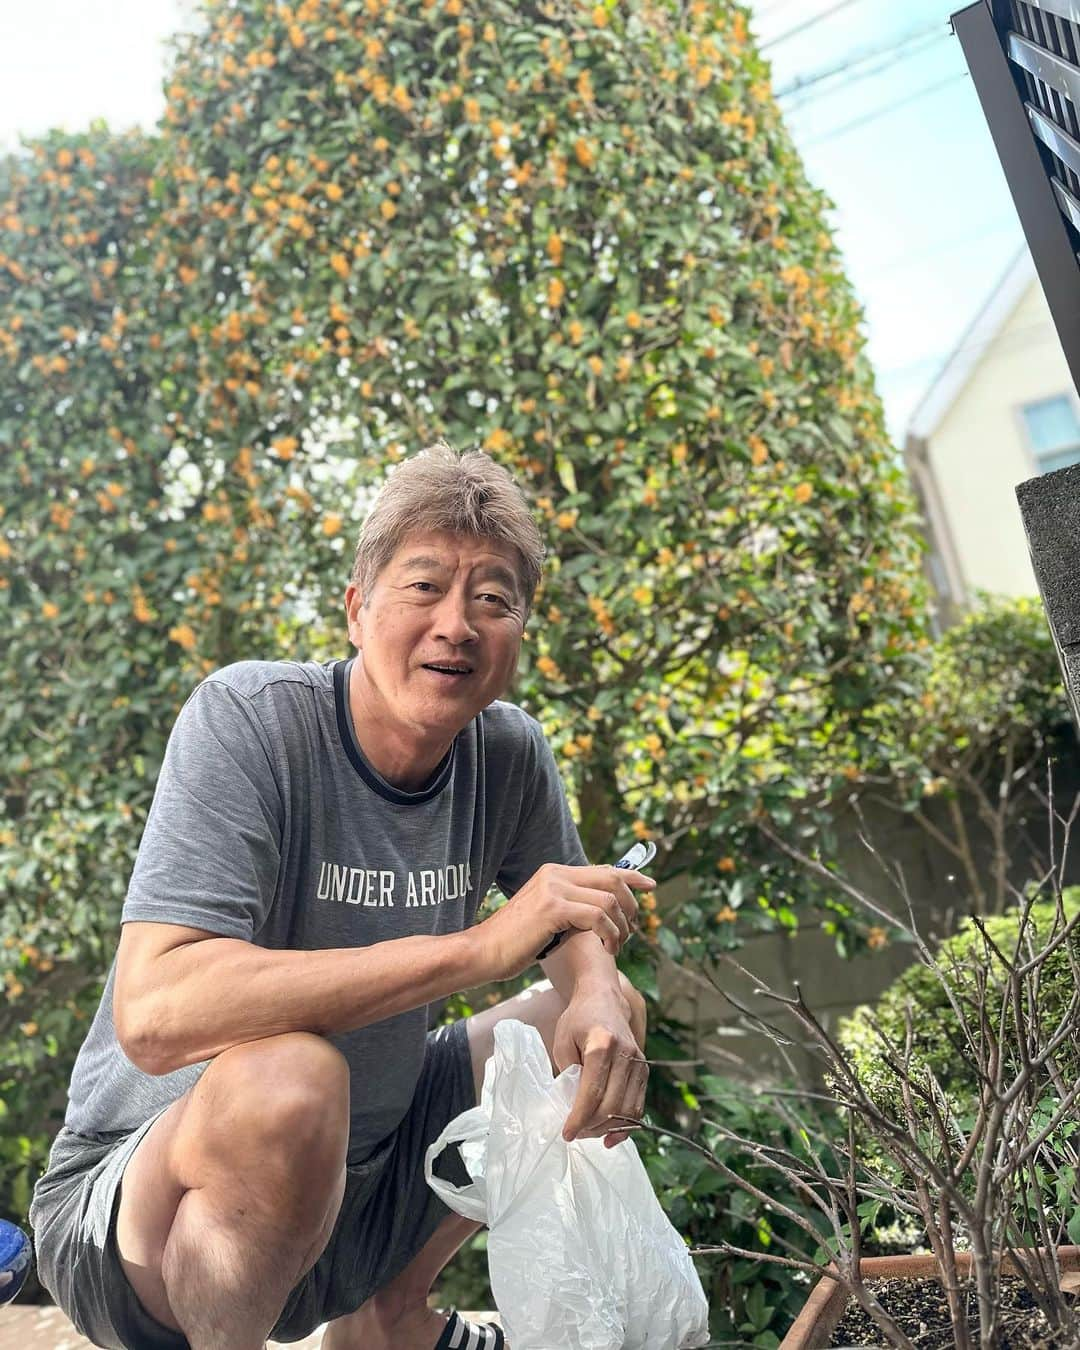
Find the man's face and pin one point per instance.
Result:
(443, 600)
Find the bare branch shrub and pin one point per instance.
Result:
(958, 1097)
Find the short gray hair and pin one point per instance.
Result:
(467, 494)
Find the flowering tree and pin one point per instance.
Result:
(579, 236)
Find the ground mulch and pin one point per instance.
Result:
(922, 1312)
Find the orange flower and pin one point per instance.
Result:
(183, 635)
(334, 192)
(725, 864)
(577, 331)
(641, 830)
(331, 525)
(340, 264)
(555, 292)
(804, 492)
(584, 153)
(547, 667)
(49, 610)
(555, 248)
(285, 447)
(633, 319)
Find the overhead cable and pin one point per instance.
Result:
(850, 62)
(857, 122)
(808, 23)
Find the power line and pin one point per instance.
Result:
(833, 132)
(890, 49)
(807, 23)
(885, 63)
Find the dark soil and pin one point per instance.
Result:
(920, 1309)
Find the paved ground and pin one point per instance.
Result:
(48, 1329)
(32, 1328)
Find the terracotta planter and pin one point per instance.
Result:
(814, 1326)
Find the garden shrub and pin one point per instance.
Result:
(972, 738)
(940, 1058)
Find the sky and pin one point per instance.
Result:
(897, 140)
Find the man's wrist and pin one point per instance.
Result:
(580, 967)
(478, 968)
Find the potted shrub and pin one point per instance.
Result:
(958, 1102)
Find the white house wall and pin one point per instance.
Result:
(978, 452)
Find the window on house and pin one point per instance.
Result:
(1053, 432)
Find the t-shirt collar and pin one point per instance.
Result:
(440, 777)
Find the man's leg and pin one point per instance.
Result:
(398, 1316)
(233, 1193)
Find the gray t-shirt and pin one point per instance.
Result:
(268, 824)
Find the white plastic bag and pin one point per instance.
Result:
(581, 1256)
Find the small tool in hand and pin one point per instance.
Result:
(633, 860)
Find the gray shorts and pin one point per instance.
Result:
(386, 1216)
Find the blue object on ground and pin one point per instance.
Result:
(15, 1257)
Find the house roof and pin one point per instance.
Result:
(971, 348)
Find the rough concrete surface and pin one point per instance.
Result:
(1050, 506)
(30, 1328)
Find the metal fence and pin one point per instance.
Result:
(1024, 58)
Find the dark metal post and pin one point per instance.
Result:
(1050, 506)
(1026, 174)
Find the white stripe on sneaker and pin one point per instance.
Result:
(459, 1332)
(473, 1342)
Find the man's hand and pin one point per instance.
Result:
(554, 899)
(603, 1030)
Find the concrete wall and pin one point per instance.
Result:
(832, 985)
(979, 454)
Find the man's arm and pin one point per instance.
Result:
(603, 1030)
(183, 995)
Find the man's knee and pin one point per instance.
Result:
(268, 1121)
(280, 1104)
(540, 1006)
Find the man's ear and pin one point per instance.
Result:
(354, 602)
